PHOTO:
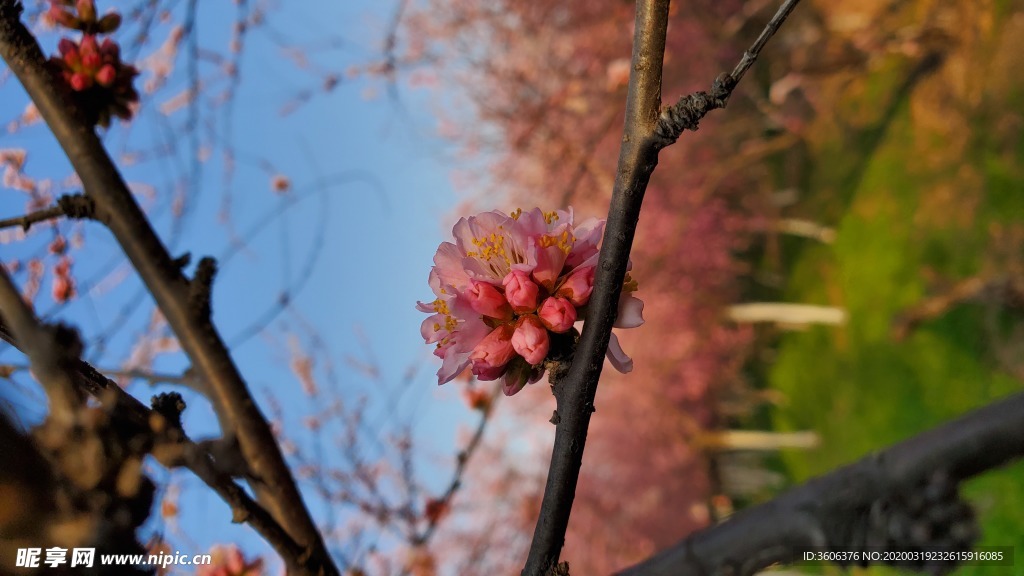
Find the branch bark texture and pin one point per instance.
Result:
(647, 130)
(833, 511)
(575, 392)
(135, 418)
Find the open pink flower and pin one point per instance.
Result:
(507, 283)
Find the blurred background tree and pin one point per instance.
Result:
(869, 167)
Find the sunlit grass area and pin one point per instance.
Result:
(932, 201)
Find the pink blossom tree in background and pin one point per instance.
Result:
(550, 85)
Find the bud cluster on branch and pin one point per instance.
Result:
(102, 83)
(509, 284)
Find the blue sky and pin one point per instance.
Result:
(392, 203)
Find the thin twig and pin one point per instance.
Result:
(151, 378)
(275, 487)
(25, 222)
(72, 206)
(690, 109)
(646, 133)
(462, 461)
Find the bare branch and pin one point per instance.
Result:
(687, 113)
(575, 392)
(173, 448)
(834, 511)
(646, 132)
(41, 346)
(462, 460)
(72, 206)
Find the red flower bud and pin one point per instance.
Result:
(87, 10)
(578, 286)
(521, 291)
(530, 340)
(486, 300)
(80, 81)
(557, 314)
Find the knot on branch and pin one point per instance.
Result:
(930, 515)
(690, 109)
(201, 287)
(170, 405)
(77, 206)
(183, 260)
(560, 569)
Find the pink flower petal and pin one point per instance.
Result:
(630, 312)
(618, 357)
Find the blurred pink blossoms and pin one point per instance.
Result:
(229, 561)
(508, 282)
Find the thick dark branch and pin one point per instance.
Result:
(138, 419)
(646, 132)
(116, 207)
(575, 392)
(830, 511)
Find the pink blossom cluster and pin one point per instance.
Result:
(229, 561)
(92, 68)
(506, 285)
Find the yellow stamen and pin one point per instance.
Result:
(629, 284)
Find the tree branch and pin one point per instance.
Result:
(48, 360)
(687, 113)
(646, 132)
(70, 205)
(575, 392)
(833, 511)
(115, 206)
(141, 420)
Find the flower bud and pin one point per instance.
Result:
(90, 52)
(517, 376)
(110, 50)
(530, 340)
(109, 23)
(80, 82)
(557, 314)
(492, 354)
(64, 18)
(578, 286)
(485, 299)
(87, 10)
(106, 76)
(520, 291)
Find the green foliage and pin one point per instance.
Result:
(915, 210)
